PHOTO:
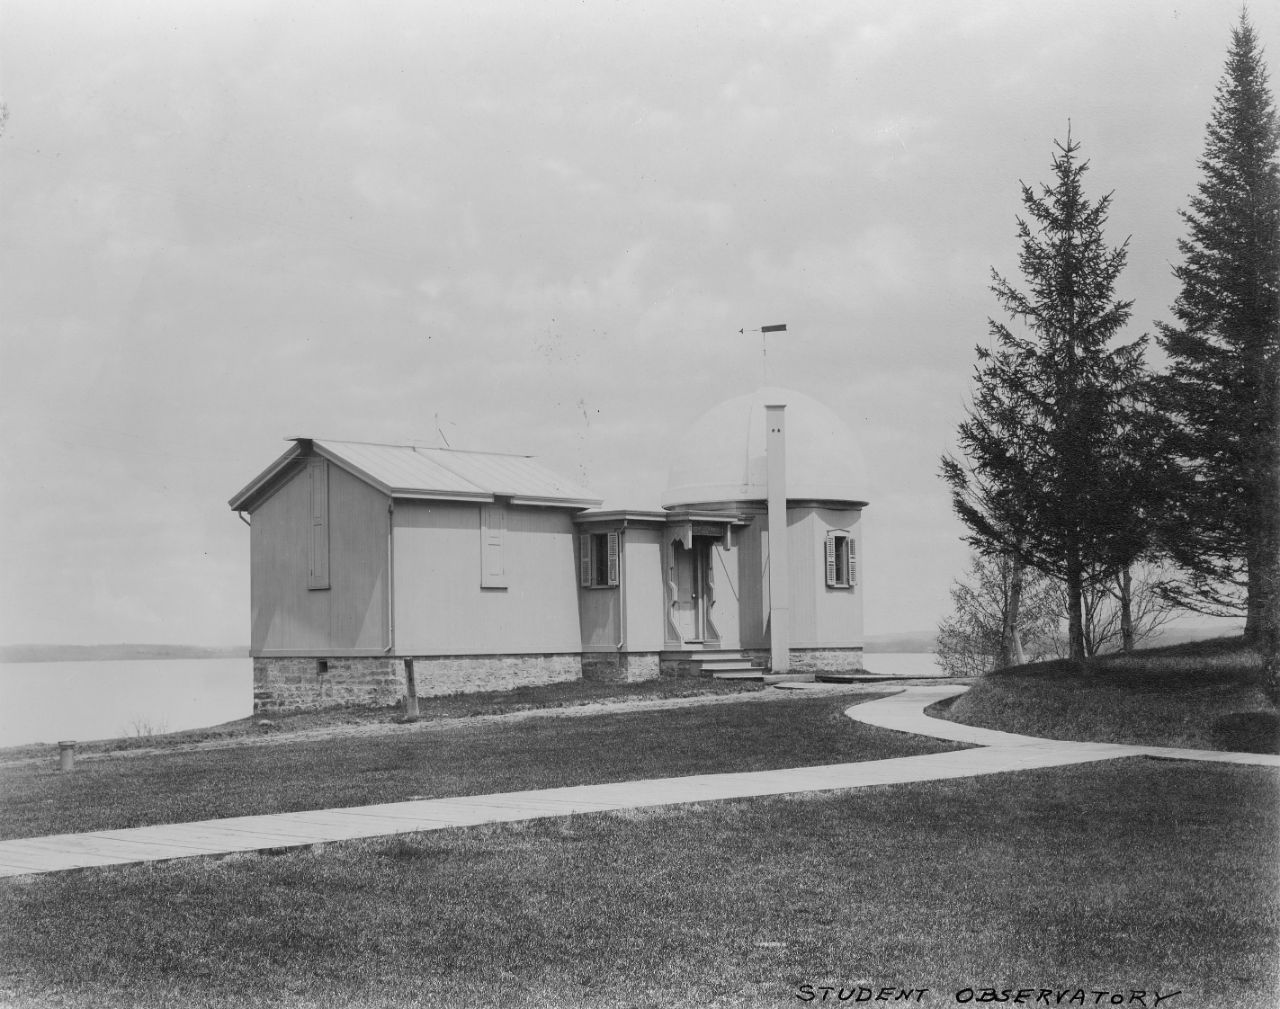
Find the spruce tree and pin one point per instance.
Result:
(996, 442)
(1071, 392)
(1221, 394)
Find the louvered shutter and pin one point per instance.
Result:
(613, 558)
(831, 562)
(584, 569)
(493, 527)
(853, 561)
(318, 568)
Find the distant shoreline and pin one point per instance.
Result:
(96, 653)
(905, 641)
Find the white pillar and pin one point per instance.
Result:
(779, 592)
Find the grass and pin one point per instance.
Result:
(1136, 874)
(457, 758)
(1205, 695)
(496, 702)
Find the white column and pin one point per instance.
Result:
(779, 592)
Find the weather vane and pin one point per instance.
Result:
(778, 327)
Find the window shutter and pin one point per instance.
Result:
(831, 562)
(318, 570)
(613, 558)
(493, 526)
(853, 562)
(584, 569)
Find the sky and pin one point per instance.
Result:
(533, 228)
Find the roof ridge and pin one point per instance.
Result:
(415, 446)
(470, 451)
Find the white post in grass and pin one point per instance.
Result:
(779, 593)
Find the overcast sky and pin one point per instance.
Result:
(526, 227)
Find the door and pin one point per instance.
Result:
(692, 601)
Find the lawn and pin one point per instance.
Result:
(457, 758)
(1205, 695)
(573, 693)
(1119, 876)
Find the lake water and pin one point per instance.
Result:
(902, 663)
(42, 702)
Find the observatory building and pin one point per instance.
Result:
(381, 570)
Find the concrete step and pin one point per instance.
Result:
(751, 673)
(776, 678)
(717, 665)
(715, 661)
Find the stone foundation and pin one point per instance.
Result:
(302, 684)
(468, 674)
(620, 667)
(826, 660)
(292, 683)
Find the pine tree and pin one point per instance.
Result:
(995, 442)
(1221, 393)
(1073, 393)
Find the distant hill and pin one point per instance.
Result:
(906, 641)
(1181, 635)
(92, 653)
(926, 641)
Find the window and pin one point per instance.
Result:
(599, 560)
(842, 571)
(493, 528)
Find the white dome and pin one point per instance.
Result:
(723, 458)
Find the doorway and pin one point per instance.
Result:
(693, 591)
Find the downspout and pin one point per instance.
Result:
(243, 519)
(391, 576)
(622, 589)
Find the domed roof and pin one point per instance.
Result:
(722, 458)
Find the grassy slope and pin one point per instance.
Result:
(1206, 694)
(1136, 874)
(492, 702)
(460, 759)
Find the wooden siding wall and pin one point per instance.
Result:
(821, 617)
(753, 596)
(726, 593)
(440, 606)
(599, 609)
(645, 595)
(351, 615)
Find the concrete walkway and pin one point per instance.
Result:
(997, 752)
(905, 713)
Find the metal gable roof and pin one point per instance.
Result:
(400, 468)
(516, 476)
(441, 474)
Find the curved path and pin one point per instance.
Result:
(905, 712)
(996, 752)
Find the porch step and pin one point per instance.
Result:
(728, 665)
(723, 664)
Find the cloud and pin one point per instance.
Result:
(538, 228)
